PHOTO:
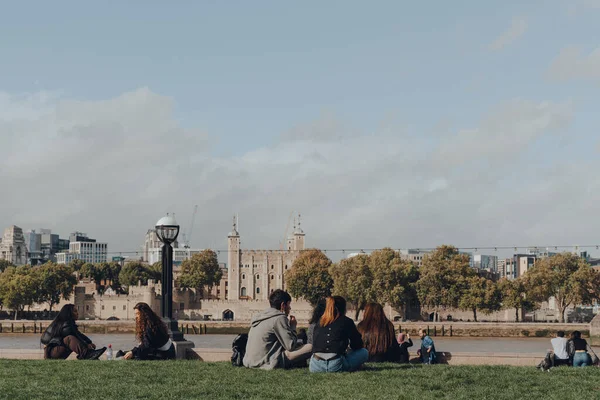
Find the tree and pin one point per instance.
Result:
(514, 295)
(87, 270)
(480, 294)
(112, 273)
(157, 268)
(76, 264)
(5, 264)
(201, 271)
(134, 272)
(56, 282)
(309, 277)
(394, 279)
(443, 278)
(353, 279)
(566, 277)
(18, 288)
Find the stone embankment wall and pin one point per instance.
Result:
(446, 329)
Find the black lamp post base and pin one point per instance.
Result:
(173, 329)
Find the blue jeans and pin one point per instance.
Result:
(346, 363)
(581, 360)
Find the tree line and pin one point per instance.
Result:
(444, 280)
(26, 285)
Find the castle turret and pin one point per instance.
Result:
(298, 236)
(233, 263)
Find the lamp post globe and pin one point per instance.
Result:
(167, 231)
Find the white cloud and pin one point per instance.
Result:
(112, 168)
(572, 64)
(517, 28)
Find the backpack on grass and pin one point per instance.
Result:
(239, 349)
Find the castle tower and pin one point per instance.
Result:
(233, 263)
(298, 236)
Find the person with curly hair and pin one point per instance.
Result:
(151, 331)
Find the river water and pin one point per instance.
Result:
(471, 345)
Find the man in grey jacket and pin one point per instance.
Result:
(272, 340)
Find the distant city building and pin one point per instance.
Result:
(33, 241)
(179, 255)
(522, 263)
(85, 249)
(51, 244)
(360, 253)
(414, 255)
(13, 247)
(542, 252)
(484, 262)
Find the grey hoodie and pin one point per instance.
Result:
(270, 335)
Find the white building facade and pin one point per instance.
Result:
(89, 252)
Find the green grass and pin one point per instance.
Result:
(69, 380)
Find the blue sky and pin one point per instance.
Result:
(244, 74)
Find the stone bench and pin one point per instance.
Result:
(217, 355)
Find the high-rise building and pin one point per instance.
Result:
(485, 262)
(13, 247)
(51, 244)
(152, 246)
(33, 241)
(85, 249)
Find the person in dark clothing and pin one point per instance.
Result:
(314, 320)
(153, 336)
(378, 335)
(404, 342)
(331, 338)
(581, 358)
(62, 337)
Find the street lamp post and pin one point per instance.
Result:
(167, 231)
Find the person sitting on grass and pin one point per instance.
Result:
(272, 341)
(378, 335)
(153, 336)
(427, 352)
(318, 312)
(62, 337)
(331, 338)
(581, 358)
(405, 342)
(559, 347)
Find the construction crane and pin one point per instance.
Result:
(285, 235)
(188, 237)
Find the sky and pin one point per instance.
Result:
(384, 123)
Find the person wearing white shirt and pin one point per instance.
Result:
(559, 345)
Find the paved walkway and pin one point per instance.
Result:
(470, 345)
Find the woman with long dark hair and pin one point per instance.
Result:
(331, 338)
(318, 312)
(378, 335)
(581, 357)
(62, 337)
(152, 334)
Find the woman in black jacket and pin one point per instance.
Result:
(331, 338)
(155, 343)
(405, 342)
(62, 338)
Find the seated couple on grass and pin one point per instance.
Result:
(63, 337)
(334, 343)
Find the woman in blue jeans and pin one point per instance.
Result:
(581, 358)
(331, 338)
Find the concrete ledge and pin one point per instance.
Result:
(220, 355)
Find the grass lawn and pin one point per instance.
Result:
(69, 380)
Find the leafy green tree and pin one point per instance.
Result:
(157, 267)
(134, 272)
(480, 294)
(18, 288)
(514, 295)
(443, 278)
(113, 270)
(353, 279)
(201, 271)
(56, 282)
(76, 264)
(566, 277)
(394, 279)
(88, 270)
(5, 264)
(309, 277)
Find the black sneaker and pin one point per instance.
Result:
(120, 353)
(95, 354)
